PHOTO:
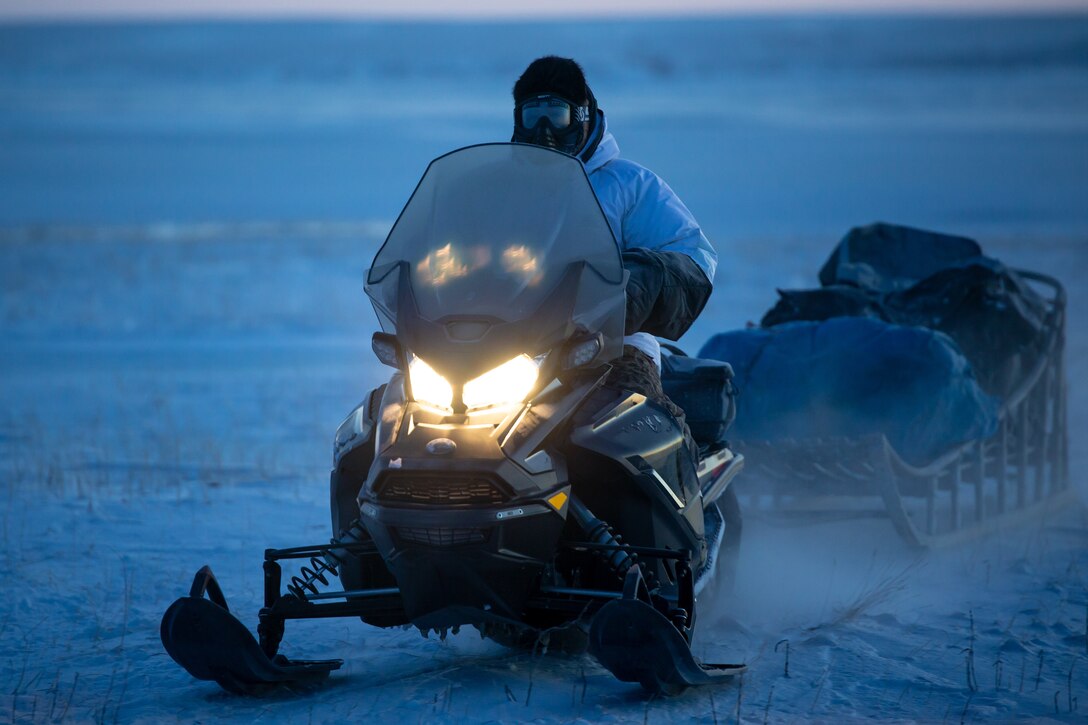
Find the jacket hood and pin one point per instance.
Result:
(607, 150)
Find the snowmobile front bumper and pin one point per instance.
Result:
(458, 567)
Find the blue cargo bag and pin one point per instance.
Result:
(853, 376)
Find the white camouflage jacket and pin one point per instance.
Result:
(644, 212)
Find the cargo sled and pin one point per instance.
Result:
(988, 450)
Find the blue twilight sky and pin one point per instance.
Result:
(478, 9)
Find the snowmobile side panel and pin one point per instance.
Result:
(628, 465)
(353, 452)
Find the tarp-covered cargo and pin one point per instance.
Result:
(855, 376)
(912, 277)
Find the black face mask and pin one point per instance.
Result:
(551, 121)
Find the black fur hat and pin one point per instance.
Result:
(552, 74)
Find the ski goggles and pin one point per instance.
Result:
(559, 112)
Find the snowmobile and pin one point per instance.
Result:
(494, 480)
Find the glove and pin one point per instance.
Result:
(666, 291)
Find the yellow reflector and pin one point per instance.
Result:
(558, 500)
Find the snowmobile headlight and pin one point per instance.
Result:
(428, 386)
(508, 384)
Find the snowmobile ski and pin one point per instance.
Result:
(636, 643)
(202, 636)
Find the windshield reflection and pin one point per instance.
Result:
(445, 263)
(448, 263)
(518, 260)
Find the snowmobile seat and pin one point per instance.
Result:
(704, 391)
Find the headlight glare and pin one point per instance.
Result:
(508, 384)
(428, 386)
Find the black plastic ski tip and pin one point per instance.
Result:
(211, 644)
(634, 642)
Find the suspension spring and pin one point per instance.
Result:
(309, 576)
(618, 559)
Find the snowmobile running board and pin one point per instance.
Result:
(716, 471)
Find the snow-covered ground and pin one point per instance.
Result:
(186, 213)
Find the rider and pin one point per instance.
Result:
(670, 261)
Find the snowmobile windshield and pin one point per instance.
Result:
(502, 250)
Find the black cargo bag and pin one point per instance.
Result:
(817, 305)
(704, 390)
(885, 257)
(995, 317)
